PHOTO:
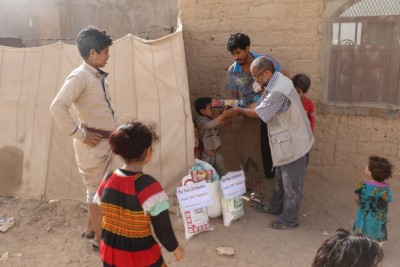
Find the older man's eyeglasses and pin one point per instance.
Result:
(258, 75)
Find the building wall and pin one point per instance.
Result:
(296, 32)
(287, 29)
(46, 21)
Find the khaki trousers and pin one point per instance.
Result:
(93, 162)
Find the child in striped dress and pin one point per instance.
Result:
(132, 201)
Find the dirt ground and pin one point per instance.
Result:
(47, 234)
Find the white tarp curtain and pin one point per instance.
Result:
(148, 81)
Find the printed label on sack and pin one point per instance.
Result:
(233, 185)
(194, 196)
(197, 220)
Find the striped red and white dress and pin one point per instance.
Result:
(127, 199)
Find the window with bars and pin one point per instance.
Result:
(365, 53)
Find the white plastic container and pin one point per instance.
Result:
(214, 210)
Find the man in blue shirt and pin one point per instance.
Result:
(239, 76)
(240, 83)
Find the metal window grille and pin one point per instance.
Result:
(365, 54)
(370, 8)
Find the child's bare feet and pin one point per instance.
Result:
(179, 253)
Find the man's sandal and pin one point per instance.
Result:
(255, 199)
(253, 203)
(264, 209)
(279, 226)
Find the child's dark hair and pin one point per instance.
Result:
(131, 140)
(345, 250)
(237, 40)
(92, 38)
(302, 82)
(201, 103)
(380, 168)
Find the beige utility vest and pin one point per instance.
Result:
(289, 133)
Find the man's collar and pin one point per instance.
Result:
(238, 68)
(271, 82)
(102, 73)
(96, 71)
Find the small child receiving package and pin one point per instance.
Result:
(209, 131)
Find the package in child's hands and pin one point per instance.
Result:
(228, 103)
(195, 221)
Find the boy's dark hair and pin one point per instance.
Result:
(302, 82)
(201, 103)
(345, 250)
(92, 38)
(237, 40)
(131, 140)
(380, 168)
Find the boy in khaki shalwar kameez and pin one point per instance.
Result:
(86, 90)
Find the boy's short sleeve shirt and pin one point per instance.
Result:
(238, 80)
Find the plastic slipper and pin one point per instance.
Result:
(255, 195)
(89, 236)
(279, 226)
(255, 199)
(264, 209)
(95, 243)
(252, 199)
(253, 203)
